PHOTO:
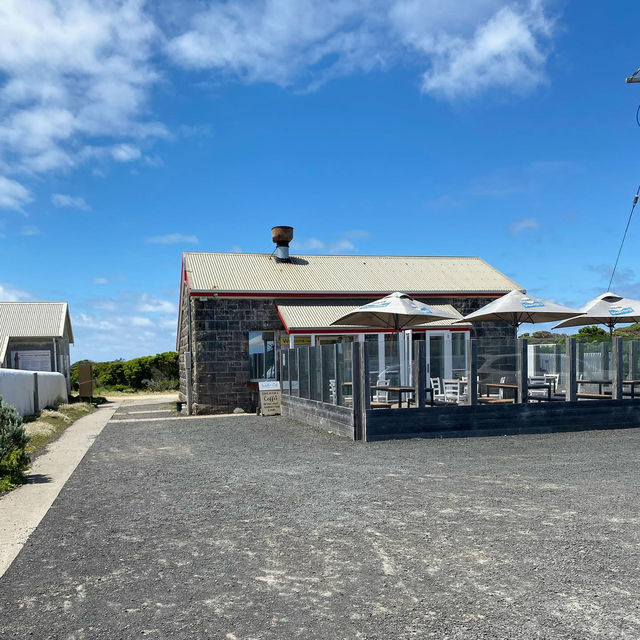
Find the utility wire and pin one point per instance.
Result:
(633, 206)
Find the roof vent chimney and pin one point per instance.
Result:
(282, 236)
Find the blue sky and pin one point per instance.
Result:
(132, 131)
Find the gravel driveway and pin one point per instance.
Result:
(246, 528)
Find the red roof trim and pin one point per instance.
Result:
(284, 324)
(285, 294)
(307, 332)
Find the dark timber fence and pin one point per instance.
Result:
(329, 387)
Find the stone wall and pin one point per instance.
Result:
(183, 341)
(328, 417)
(221, 351)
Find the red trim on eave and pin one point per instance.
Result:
(340, 331)
(284, 324)
(258, 294)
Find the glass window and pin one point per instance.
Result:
(262, 350)
(459, 353)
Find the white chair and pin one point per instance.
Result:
(554, 379)
(500, 392)
(538, 393)
(380, 395)
(452, 394)
(438, 395)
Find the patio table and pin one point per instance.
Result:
(604, 381)
(514, 387)
(400, 390)
(501, 385)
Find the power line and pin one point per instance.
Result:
(633, 206)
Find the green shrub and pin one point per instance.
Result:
(14, 460)
(156, 373)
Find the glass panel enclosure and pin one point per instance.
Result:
(436, 356)
(459, 354)
(262, 351)
(303, 373)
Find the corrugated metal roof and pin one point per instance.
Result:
(320, 314)
(260, 273)
(34, 319)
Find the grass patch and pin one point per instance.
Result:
(50, 423)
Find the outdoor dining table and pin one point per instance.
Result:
(603, 381)
(400, 390)
(514, 387)
(599, 381)
(501, 385)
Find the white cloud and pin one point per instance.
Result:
(500, 47)
(151, 304)
(125, 153)
(279, 41)
(522, 225)
(491, 43)
(11, 294)
(60, 200)
(100, 281)
(310, 244)
(342, 244)
(13, 195)
(74, 73)
(131, 324)
(88, 321)
(76, 77)
(173, 238)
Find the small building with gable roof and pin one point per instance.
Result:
(238, 310)
(35, 336)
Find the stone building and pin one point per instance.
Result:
(35, 336)
(238, 310)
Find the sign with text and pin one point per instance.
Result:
(270, 397)
(31, 360)
(298, 341)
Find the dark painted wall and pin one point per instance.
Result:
(487, 420)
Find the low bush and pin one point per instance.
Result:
(14, 459)
(153, 373)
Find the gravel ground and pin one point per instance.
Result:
(245, 528)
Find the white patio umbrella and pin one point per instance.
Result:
(517, 307)
(608, 309)
(396, 311)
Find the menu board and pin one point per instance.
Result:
(270, 397)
